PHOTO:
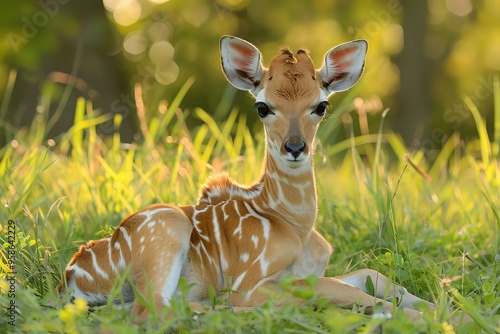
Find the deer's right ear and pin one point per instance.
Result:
(241, 63)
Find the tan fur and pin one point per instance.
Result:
(243, 238)
(291, 78)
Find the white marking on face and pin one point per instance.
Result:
(261, 96)
(97, 268)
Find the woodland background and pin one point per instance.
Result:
(424, 56)
(413, 195)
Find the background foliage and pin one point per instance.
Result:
(110, 106)
(424, 56)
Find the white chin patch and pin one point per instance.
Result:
(292, 162)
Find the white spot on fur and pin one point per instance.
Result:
(258, 285)
(172, 279)
(126, 237)
(264, 264)
(121, 262)
(110, 258)
(255, 240)
(142, 249)
(79, 272)
(217, 231)
(266, 226)
(97, 268)
(244, 257)
(149, 215)
(141, 240)
(91, 298)
(238, 281)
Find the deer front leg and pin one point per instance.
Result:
(339, 293)
(384, 288)
(346, 296)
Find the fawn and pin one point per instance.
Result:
(245, 238)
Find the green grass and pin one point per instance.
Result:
(438, 237)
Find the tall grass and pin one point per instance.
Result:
(438, 237)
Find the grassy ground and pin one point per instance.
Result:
(436, 233)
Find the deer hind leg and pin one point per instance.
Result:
(383, 287)
(159, 261)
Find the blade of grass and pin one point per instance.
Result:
(471, 309)
(376, 161)
(496, 100)
(77, 135)
(7, 96)
(69, 87)
(444, 155)
(481, 130)
(169, 115)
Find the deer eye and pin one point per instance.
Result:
(262, 109)
(321, 108)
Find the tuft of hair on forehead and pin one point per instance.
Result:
(289, 54)
(292, 75)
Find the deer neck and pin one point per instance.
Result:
(290, 193)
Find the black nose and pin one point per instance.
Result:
(295, 146)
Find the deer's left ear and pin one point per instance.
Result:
(241, 63)
(343, 65)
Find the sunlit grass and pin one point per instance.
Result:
(437, 236)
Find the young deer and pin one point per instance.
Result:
(237, 237)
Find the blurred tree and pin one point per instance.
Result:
(44, 42)
(423, 55)
(414, 108)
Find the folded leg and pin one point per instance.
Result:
(383, 287)
(157, 265)
(340, 293)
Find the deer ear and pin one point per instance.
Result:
(343, 65)
(241, 63)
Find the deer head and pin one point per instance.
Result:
(291, 95)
